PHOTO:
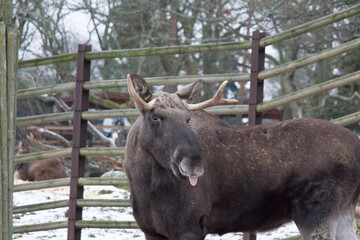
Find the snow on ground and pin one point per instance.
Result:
(101, 213)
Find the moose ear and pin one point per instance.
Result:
(191, 92)
(141, 87)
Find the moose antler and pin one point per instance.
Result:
(137, 99)
(216, 100)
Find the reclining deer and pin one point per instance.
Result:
(192, 174)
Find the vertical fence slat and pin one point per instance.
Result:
(79, 141)
(8, 73)
(3, 131)
(12, 60)
(256, 90)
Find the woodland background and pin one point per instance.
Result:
(55, 27)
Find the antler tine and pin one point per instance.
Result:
(137, 99)
(216, 100)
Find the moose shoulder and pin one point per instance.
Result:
(192, 174)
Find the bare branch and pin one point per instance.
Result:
(344, 98)
(40, 143)
(33, 79)
(109, 141)
(61, 103)
(20, 148)
(50, 134)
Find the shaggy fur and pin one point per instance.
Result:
(41, 170)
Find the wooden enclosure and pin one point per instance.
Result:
(81, 115)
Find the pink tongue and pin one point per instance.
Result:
(193, 180)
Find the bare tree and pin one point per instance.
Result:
(278, 15)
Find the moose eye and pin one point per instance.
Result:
(154, 117)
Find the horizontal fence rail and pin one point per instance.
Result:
(312, 25)
(115, 113)
(118, 182)
(180, 49)
(118, 83)
(28, 157)
(65, 203)
(139, 52)
(106, 224)
(348, 119)
(62, 182)
(305, 61)
(103, 203)
(46, 118)
(100, 151)
(40, 227)
(40, 206)
(217, 110)
(172, 80)
(310, 91)
(66, 152)
(58, 88)
(79, 224)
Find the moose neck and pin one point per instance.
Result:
(162, 179)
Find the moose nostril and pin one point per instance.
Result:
(191, 167)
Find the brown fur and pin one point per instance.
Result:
(255, 178)
(41, 170)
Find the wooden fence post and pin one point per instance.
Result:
(8, 74)
(256, 85)
(256, 90)
(79, 140)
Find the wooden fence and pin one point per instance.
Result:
(76, 223)
(8, 71)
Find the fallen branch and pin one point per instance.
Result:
(50, 134)
(91, 128)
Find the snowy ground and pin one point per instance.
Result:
(101, 213)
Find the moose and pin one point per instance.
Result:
(191, 174)
(41, 170)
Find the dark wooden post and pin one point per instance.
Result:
(256, 85)
(249, 236)
(256, 90)
(79, 140)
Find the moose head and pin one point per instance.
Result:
(165, 131)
